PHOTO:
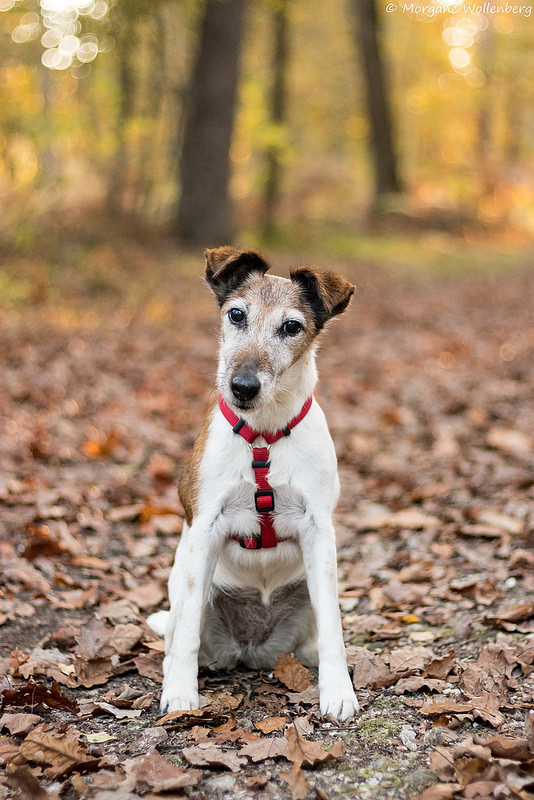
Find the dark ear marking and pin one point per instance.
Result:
(229, 267)
(327, 293)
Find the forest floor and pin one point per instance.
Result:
(106, 368)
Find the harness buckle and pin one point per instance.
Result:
(250, 541)
(264, 500)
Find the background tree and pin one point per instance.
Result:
(382, 143)
(205, 206)
(278, 106)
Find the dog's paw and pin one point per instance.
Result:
(341, 705)
(179, 700)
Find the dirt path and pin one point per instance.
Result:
(427, 385)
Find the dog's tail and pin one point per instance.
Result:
(158, 622)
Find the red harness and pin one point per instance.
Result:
(264, 495)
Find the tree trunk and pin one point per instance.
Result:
(118, 174)
(205, 207)
(378, 105)
(278, 112)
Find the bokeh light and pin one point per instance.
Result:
(59, 26)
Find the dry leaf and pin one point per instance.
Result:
(370, 671)
(292, 673)
(270, 724)
(33, 693)
(306, 751)
(154, 773)
(62, 751)
(24, 781)
(297, 782)
(267, 747)
(213, 755)
(19, 724)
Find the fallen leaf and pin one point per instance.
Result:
(266, 747)
(442, 791)
(307, 751)
(154, 773)
(9, 751)
(370, 671)
(416, 682)
(296, 781)
(212, 755)
(442, 666)
(509, 440)
(26, 784)
(19, 724)
(270, 724)
(409, 659)
(33, 693)
(63, 752)
(292, 673)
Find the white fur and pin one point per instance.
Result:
(210, 567)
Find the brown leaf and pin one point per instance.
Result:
(154, 773)
(507, 747)
(94, 672)
(370, 671)
(24, 781)
(409, 659)
(270, 724)
(417, 682)
(445, 707)
(306, 751)
(529, 728)
(9, 751)
(509, 440)
(442, 791)
(149, 665)
(213, 755)
(19, 724)
(297, 782)
(50, 663)
(442, 666)
(33, 693)
(62, 751)
(513, 612)
(267, 747)
(51, 539)
(292, 673)
(188, 719)
(222, 701)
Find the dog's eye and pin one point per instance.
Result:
(291, 327)
(236, 316)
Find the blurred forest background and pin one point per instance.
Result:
(347, 130)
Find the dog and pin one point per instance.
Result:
(255, 572)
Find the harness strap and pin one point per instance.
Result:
(264, 495)
(249, 434)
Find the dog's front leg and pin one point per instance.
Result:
(189, 585)
(337, 695)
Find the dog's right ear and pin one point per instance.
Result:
(229, 267)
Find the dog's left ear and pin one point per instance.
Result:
(229, 267)
(325, 292)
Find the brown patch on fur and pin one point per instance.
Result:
(229, 267)
(190, 584)
(188, 480)
(326, 293)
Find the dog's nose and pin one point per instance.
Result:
(245, 386)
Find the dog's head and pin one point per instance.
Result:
(268, 322)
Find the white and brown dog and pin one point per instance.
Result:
(255, 570)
